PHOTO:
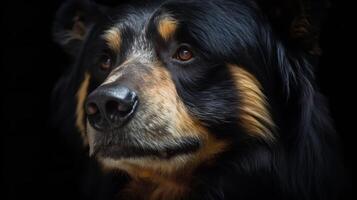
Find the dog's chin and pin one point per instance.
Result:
(127, 151)
(130, 148)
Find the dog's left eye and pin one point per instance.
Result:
(183, 54)
(105, 62)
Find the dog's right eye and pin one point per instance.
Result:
(105, 62)
(183, 54)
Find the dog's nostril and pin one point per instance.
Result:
(118, 108)
(95, 118)
(92, 108)
(122, 108)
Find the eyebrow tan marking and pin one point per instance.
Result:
(113, 38)
(167, 27)
(81, 96)
(254, 114)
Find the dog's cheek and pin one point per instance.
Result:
(91, 138)
(254, 115)
(81, 96)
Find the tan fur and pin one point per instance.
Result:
(145, 188)
(167, 27)
(80, 115)
(113, 38)
(163, 92)
(254, 114)
(156, 186)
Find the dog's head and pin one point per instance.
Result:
(172, 84)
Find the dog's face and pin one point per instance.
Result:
(163, 87)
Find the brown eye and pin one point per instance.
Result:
(105, 63)
(183, 54)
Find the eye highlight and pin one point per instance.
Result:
(183, 54)
(105, 62)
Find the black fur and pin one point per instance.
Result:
(301, 164)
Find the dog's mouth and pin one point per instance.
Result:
(158, 149)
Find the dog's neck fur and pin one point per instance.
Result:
(148, 184)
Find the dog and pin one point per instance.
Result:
(196, 99)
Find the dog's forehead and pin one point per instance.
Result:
(133, 18)
(131, 26)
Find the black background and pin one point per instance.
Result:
(36, 161)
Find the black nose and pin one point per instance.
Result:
(110, 106)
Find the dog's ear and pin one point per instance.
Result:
(297, 22)
(73, 21)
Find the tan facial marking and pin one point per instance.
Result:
(167, 27)
(254, 115)
(163, 93)
(80, 115)
(186, 124)
(113, 38)
(173, 177)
